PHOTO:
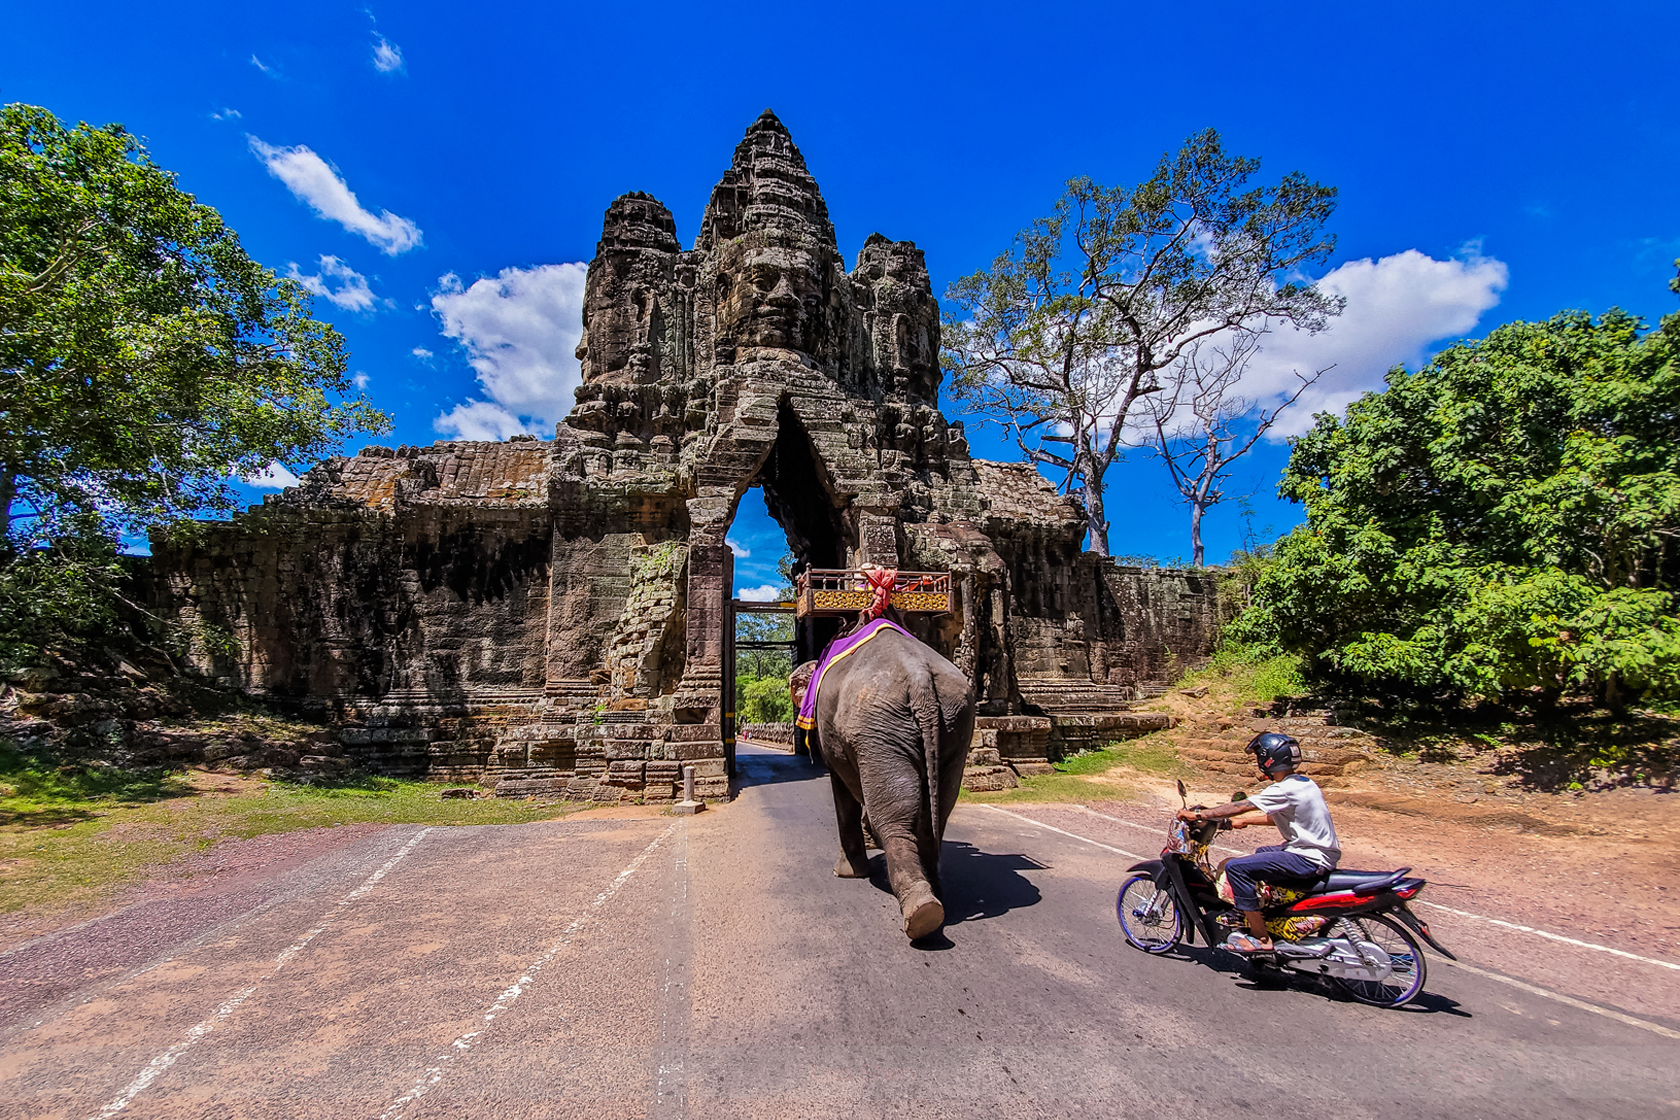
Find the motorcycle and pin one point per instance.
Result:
(1352, 927)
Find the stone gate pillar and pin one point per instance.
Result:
(877, 534)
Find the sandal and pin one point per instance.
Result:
(1244, 943)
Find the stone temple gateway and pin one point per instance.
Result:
(552, 614)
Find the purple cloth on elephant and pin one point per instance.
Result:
(838, 648)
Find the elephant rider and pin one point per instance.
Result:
(1295, 804)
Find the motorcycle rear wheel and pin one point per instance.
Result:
(1148, 916)
(1404, 953)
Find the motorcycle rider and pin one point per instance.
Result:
(1295, 804)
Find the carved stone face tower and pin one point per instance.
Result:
(560, 607)
(752, 359)
(775, 267)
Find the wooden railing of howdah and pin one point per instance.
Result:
(847, 591)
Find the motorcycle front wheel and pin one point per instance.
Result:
(1148, 917)
(1405, 956)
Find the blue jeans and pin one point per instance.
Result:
(1270, 863)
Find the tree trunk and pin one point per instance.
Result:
(1196, 510)
(8, 491)
(1096, 524)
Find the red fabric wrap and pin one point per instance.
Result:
(881, 582)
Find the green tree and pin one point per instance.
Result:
(751, 627)
(145, 360)
(1505, 518)
(1095, 304)
(766, 700)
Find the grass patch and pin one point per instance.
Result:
(70, 836)
(1248, 676)
(1076, 777)
(42, 791)
(1152, 755)
(1053, 787)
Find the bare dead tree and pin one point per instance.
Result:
(1197, 426)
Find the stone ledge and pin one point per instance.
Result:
(989, 779)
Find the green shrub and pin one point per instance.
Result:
(1500, 520)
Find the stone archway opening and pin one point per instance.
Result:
(784, 523)
(798, 497)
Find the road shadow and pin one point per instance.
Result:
(977, 885)
(980, 885)
(755, 766)
(1253, 979)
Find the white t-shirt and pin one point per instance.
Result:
(1296, 805)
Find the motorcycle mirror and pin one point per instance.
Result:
(1183, 794)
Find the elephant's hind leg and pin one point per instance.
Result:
(922, 911)
(848, 814)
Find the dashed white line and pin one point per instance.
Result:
(1063, 832)
(440, 1065)
(1534, 989)
(1553, 936)
(1579, 944)
(156, 1067)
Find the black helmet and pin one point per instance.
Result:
(1272, 749)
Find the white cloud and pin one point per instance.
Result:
(480, 420)
(388, 57)
(314, 181)
(361, 379)
(352, 292)
(226, 115)
(520, 330)
(258, 63)
(273, 477)
(740, 550)
(768, 593)
(1396, 307)
(422, 353)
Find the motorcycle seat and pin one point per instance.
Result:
(1360, 882)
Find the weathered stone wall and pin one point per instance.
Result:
(1161, 622)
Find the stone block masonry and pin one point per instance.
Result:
(548, 616)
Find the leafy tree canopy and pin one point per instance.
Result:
(144, 357)
(1504, 518)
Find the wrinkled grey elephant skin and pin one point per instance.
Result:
(893, 722)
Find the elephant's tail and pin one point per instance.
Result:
(924, 705)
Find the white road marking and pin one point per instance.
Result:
(1064, 832)
(156, 1067)
(440, 1065)
(1553, 936)
(670, 1086)
(1535, 989)
(1579, 944)
(1148, 828)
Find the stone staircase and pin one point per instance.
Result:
(1332, 752)
(1088, 716)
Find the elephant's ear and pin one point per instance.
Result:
(799, 681)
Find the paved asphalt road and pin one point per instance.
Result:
(713, 967)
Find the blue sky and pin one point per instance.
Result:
(1495, 161)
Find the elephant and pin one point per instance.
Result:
(893, 720)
